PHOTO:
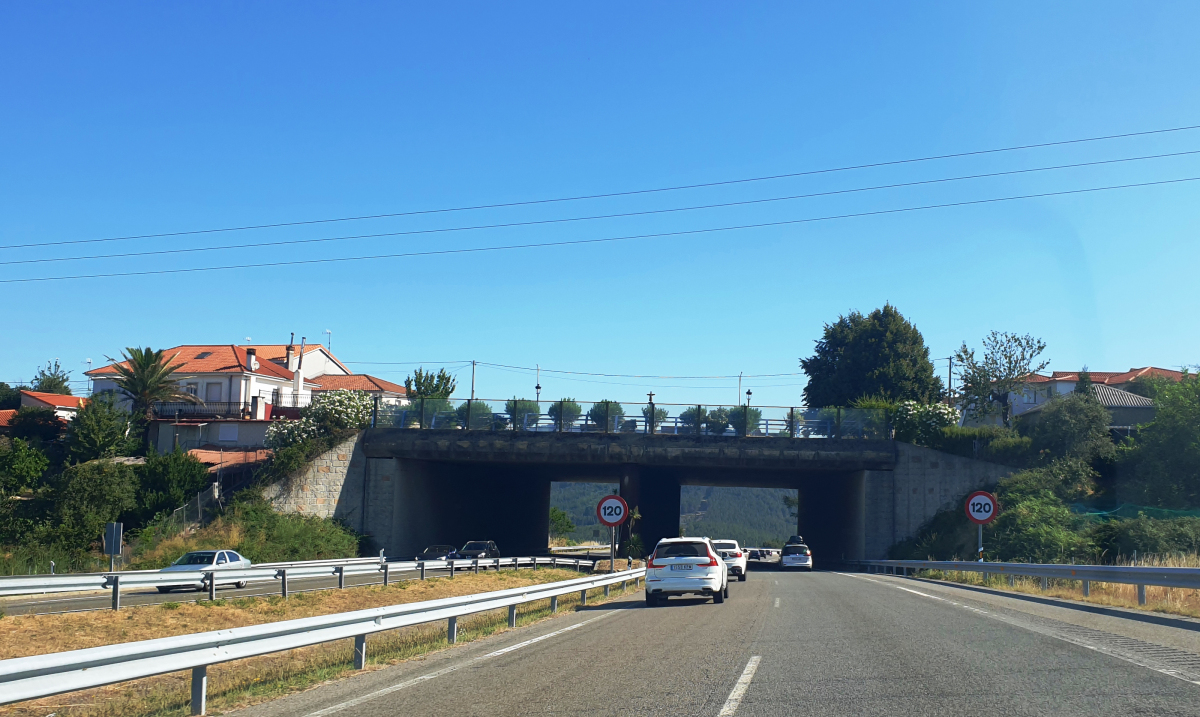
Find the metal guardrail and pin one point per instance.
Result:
(1138, 575)
(266, 572)
(28, 678)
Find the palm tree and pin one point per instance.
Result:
(146, 379)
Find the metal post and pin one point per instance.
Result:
(360, 652)
(553, 562)
(980, 526)
(341, 573)
(116, 592)
(1141, 594)
(792, 421)
(583, 597)
(450, 564)
(469, 401)
(1045, 583)
(421, 565)
(1087, 588)
(374, 411)
(699, 427)
(561, 405)
(612, 550)
(838, 429)
(452, 630)
(283, 582)
(212, 585)
(199, 689)
(512, 615)
(1012, 581)
(475, 564)
(606, 590)
(535, 563)
(421, 422)
(554, 603)
(387, 573)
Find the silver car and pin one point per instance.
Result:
(203, 561)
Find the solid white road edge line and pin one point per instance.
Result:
(739, 689)
(447, 670)
(1073, 641)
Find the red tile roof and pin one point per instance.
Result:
(1118, 377)
(6, 417)
(278, 352)
(357, 382)
(57, 400)
(198, 358)
(217, 459)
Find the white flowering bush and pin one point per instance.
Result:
(919, 423)
(281, 434)
(339, 409)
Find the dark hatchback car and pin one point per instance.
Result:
(436, 552)
(477, 549)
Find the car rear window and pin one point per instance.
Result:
(796, 550)
(439, 549)
(725, 546)
(477, 545)
(681, 550)
(197, 559)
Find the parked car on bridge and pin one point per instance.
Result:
(685, 566)
(796, 556)
(206, 560)
(477, 549)
(734, 557)
(436, 552)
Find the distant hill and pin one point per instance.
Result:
(752, 516)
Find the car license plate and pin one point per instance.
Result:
(682, 567)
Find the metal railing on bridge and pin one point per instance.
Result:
(569, 416)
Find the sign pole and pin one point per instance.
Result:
(612, 511)
(982, 509)
(981, 542)
(612, 550)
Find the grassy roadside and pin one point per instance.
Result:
(1174, 601)
(238, 684)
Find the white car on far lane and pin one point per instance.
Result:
(685, 566)
(796, 556)
(203, 561)
(734, 557)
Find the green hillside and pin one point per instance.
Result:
(752, 516)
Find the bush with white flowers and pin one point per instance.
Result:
(281, 434)
(919, 423)
(340, 409)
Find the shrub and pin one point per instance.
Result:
(613, 410)
(985, 443)
(567, 409)
(100, 429)
(167, 481)
(20, 466)
(1147, 535)
(1075, 425)
(87, 496)
(282, 434)
(523, 412)
(922, 424)
(340, 409)
(36, 424)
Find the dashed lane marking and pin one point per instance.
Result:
(739, 689)
(776, 602)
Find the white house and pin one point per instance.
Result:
(65, 407)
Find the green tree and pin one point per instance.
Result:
(1084, 384)
(523, 412)
(1148, 386)
(87, 496)
(692, 418)
(20, 466)
(601, 409)
(560, 522)
(35, 424)
(881, 353)
(717, 421)
(145, 377)
(660, 414)
(427, 384)
(481, 416)
(987, 383)
(100, 429)
(1073, 426)
(10, 397)
(167, 481)
(1163, 467)
(568, 409)
(745, 420)
(52, 379)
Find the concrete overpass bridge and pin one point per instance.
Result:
(408, 488)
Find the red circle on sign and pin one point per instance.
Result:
(982, 507)
(612, 510)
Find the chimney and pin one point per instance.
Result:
(252, 359)
(298, 377)
(289, 357)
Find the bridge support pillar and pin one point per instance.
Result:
(656, 496)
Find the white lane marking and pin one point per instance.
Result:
(739, 689)
(447, 670)
(776, 582)
(776, 602)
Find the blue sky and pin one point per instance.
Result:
(144, 118)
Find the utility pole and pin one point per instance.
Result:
(538, 388)
(473, 380)
(739, 387)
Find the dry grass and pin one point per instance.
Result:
(1175, 601)
(245, 682)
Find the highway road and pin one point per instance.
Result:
(824, 643)
(102, 600)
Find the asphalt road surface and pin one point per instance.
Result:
(102, 600)
(785, 643)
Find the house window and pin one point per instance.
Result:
(204, 354)
(212, 392)
(227, 432)
(1030, 396)
(192, 388)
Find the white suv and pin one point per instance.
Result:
(685, 566)
(734, 556)
(796, 555)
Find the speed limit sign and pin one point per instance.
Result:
(982, 507)
(612, 510)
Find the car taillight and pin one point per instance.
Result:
(738, 554)
(650, 563)
(712, 561)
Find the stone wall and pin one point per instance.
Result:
(329, 487)
(899, 502)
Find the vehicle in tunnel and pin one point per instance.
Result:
(685, 566)
(734, 557)
(796, 556)
(477, 549)
(436, 552)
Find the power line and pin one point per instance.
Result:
(575, 242)
(191, 250)
(633, 375)
(606, 195)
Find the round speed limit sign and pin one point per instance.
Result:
(612, 510)
(982, 507)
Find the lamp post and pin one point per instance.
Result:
(746, 416)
